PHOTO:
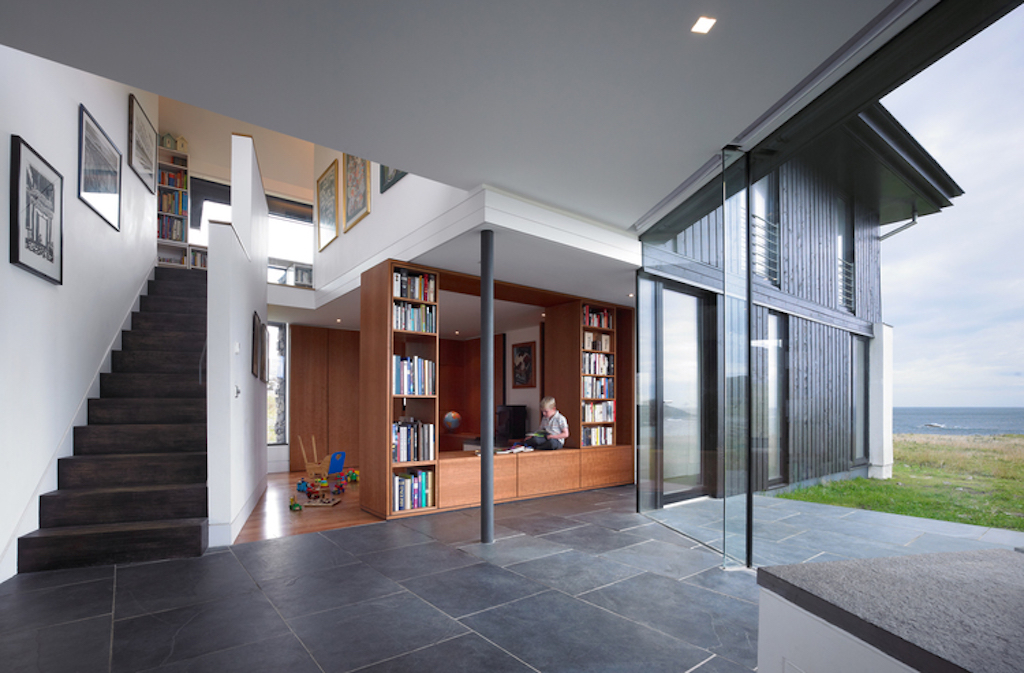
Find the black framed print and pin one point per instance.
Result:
(37, 213)
(389, 176)
(142, 140)
(99, 169)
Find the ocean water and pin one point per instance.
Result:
(958, 420)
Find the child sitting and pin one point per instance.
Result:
(553, 430)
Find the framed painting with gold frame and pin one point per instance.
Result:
(356, 179)
(327, 206)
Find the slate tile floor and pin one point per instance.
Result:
(573, 583)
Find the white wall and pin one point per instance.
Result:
(237, 400)
(880, 378)
(56, 338)
(530, 397)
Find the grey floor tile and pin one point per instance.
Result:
(164, 585)
(290, 556)
(185, 633)
(574, 572)
(789, 551)
(613, 520)
(928, 543)
(659, 531)
(843, 545)
(554, 632)
(665, 559)
(48, 607)
(707, 619)
(950, 528)
(874, 531)
(514, 550)
(455, 527)
(810, 507)
(423, 559)
(568, 505)
(507, 510)
(538, 523)
(740, 584)
(326, 589)
(825, 557)
(463, 591)
(66, 648)
(466, 654)
(1009, 538)
(593, 539)
(367, 633)
(721, 665)
(283, 653)
(55, 578)
(375, 537)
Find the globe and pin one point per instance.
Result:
(452, 420)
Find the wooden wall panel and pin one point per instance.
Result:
(459, 380)
(562, 363)
(343, 394)
(307, 392)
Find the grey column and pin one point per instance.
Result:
(487, 386)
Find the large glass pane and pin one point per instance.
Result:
(681, 393)
(776, 395)
(860, 400)
(277, 385)
(648, 448)
(736, 358)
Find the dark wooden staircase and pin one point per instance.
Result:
(135, 488)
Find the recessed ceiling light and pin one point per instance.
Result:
(630, 295)
(338, 320)
(703, 25)
(456, 332)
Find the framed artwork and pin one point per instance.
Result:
(99, 169)
(142, 142)
(327, 206)
(257, 341)
(264, 352)
(523, 371)
(389, 176)
(37, 213)
(357, 190)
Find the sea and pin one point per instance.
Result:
(958, 420)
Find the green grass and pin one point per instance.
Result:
(977, 480)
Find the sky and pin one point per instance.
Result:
(953, 286)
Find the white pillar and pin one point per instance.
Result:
(880, 403)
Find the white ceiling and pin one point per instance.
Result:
(597, 108)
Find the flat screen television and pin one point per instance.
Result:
(509, 422)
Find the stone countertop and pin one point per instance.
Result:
(959, 611)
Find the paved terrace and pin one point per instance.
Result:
(577, 582)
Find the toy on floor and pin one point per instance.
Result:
(294, 506)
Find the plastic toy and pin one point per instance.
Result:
(302, 486)
(294, 506)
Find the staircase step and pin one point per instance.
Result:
(90, 506)
(164, 273)
(105, 544)
(158, 288)
(151, 385)
(174, 322)
(160, 340)
(151, 410)
(163, 304)
(166, 362)
(92, 440)
(136, 469)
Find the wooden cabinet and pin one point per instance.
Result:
(398, 386)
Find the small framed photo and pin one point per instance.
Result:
(142, 142)
(389, 176)
(524, 373)
(37, 213)
(327, 206)
(357, 190)
(99, 170)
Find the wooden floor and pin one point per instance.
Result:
(272, 519)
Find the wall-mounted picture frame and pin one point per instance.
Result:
(99, 169)
(327, 206)
(389, 176)
(524, 371)
(257, 339)
(356, 178)
(37, 213)
(142, 144)
(264, 352)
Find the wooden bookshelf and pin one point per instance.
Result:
(172, 203)
(398, 429)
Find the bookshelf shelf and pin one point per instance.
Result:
(172, 198)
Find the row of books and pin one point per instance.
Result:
(415, 285)
(598, 317)
(413, 442)
(197, 258)
(174, 202)
(414, 376)
(177, 179)
(598, 436)
(412, 490)
(598, 386)
(597, 342)
(170, 228)
(415, 317)
(599, 412)
(598, 364)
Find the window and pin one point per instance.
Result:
(777, 385)
(277, 384)
(764, 228)
(290, 251)
(859, 395)
(844, 252)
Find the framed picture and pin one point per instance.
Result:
(523, 371)
(142, 142)
(37, 213)
(327, 206)
(257, 340)
(264, 352)
(99, 169)
(357, 190)
(389, 176)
